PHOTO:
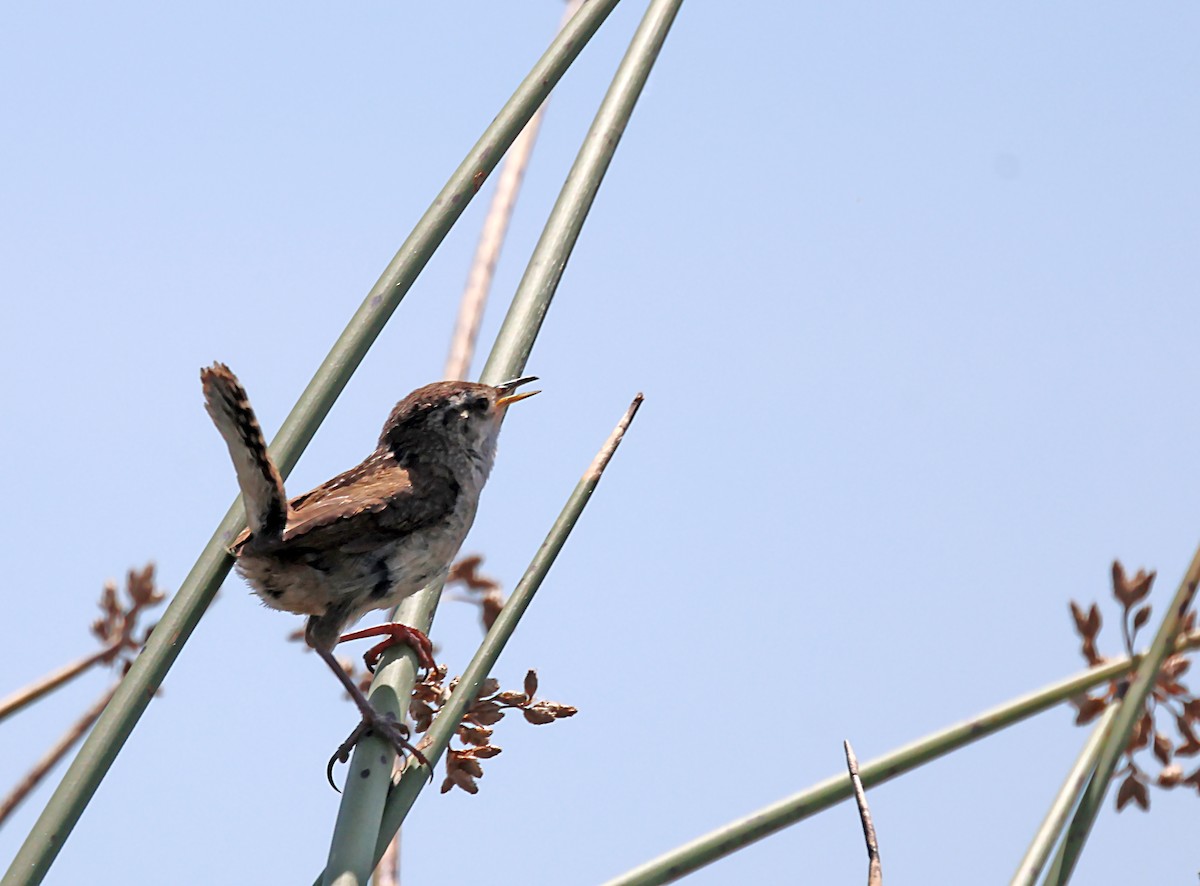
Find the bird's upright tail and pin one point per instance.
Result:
(262, 487)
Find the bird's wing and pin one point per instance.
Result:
(374, 502)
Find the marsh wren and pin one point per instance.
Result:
(373, 535)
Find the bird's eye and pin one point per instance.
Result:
(468, 406)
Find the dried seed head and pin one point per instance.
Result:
(1133, 789)
(1170, 776)
(422, 715)
(1129, 591)
(1191, 745)
(538, 715)
(491, 604)
(1163, 749)
(513, 698)
(476, 735)
(1141, 617)
(1088, 708)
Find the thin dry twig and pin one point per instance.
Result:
(52, 756)
(387, 872)
(53, 680)
(115, 629)
(604, 456)
(875, 869)
(491, 238)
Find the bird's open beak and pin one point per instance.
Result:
(509, 385)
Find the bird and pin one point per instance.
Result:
(372, 535)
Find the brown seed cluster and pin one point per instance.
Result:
(481, 589)
(1169, 702)
(115, 629)
(118, 620)
(463, 764)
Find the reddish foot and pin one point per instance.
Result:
(396, 634)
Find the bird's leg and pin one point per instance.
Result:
(396, 634)
(383, 724)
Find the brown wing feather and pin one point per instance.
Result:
(384, 500)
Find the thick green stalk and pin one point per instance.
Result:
(728, 839)
(522, 323)
(549, 259)
(1064, 801)
(84, 775)
(361, 808)
(1131, 708)
(368, 777)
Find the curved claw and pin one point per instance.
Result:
(342, 754)
(393, 732)
(329, 771)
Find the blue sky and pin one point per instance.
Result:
(910, 292)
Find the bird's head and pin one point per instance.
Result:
(451, 416)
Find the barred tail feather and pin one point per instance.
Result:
(262, 487)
